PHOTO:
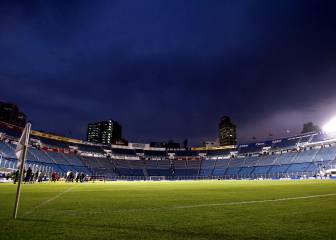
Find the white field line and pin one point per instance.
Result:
(49, 200)
(253, 201)
(225, 203)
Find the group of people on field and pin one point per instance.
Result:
(29, 176)
(55, 176)
(78, 177)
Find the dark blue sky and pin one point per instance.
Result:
(170, 69)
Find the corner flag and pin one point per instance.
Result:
(23, 143)
(20, 152)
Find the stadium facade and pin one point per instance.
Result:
(296, 156)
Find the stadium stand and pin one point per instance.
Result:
(294, 156)
(246, 171)
(267, 160)
(6, 150)
(90, 148)
(260, 170)
(123, 152)
(305, 156)
(186, 153)
(285, 143)
(52, 142)
(319, 137)
(155, 153)
(251, 148)
(163, 168)
(325, 154)
(220, 167)
(285, 158)
(251, 161)
(237, 162)
(219, 152)
(207, 167)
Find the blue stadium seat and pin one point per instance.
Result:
(325, 154)
(279, 169)
(7, 150)
(232, 171)
(261, 170)
(246, 171)
(299, 167)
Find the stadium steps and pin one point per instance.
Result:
(7, 163)
(65, 159)
(73, 159)
(279, 169)
(56, 165)
(207, 167)
(48, 156)
(311, 139)
(315, 156)
(325, 154)
(298, 167)
(114, 166)
(245, 171)
(194, 164)
(9, 150)
(261, 170)
(35, 156)
(145, 173)
(4, 151)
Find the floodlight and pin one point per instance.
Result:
(330, 127)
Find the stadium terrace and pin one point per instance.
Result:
(303, 156)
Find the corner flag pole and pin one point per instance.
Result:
(21, 152)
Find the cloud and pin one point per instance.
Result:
(277, 123)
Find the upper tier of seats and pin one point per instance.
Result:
(243, 155)
(155, 153)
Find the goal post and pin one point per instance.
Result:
(157, 178)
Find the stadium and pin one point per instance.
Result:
(280, 188)
(296, 157)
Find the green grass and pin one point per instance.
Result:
(151, 210)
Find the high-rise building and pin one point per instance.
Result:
(105, 132)
(227, 132)
(10, 113)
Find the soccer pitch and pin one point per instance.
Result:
(304, 209)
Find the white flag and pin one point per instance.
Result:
(23, 142)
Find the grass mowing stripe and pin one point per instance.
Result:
(48, 201)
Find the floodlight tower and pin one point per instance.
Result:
(330, 127)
